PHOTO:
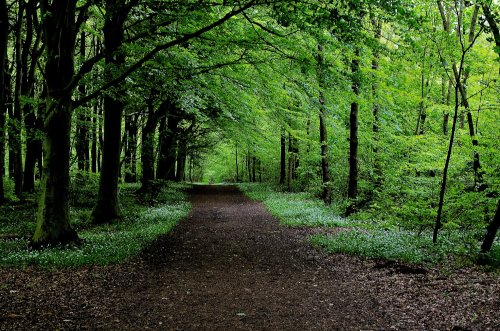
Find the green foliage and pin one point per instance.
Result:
(295, 209)
(456, 249)
(103, 244)
(370, 239)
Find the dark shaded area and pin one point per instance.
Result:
(231, 266)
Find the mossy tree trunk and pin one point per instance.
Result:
(53, 226)
(107, 207)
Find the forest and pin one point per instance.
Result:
(383, 114)
(249, 165)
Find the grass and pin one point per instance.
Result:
(105, 244)
(370, 239)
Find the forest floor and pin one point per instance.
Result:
(231, 266)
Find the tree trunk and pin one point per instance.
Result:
(32, 124)
(478, 173)
(323, 138)
(491, 231)
(148, 142)
(492, 22)
(254, 162)
(131, 123)
(181, 160)
(377, 180)
(352, 192)
(107, 207)
(236, 154)
(53, 226)
(147, 151)
(16, 120)
(167, 148)
(83, 123)
(4, 24)
(282, 158)
(442, 192)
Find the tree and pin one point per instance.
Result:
(59, 26)
(352, 191)
(327, 195)
(107, 207)
(4, 28)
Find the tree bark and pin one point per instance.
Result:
(492, 22)
(83, 123)
(168, 146)
(236, 154)
(53, 226)
(478, 173)
(352, 192)
(323, 135)
(181, 160)
(4, 25)
(33, 124)
(15, 121)
(107, 207)
(376, 111)
(282, 158)
(131, 123)
(491, 231)
(148, 143)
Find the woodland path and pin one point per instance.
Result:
(231, 266)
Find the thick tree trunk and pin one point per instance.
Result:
(53, 226)
(352, 191)
(4, 24)
(107, 207)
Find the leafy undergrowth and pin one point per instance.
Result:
(104, 244)
(373, 240)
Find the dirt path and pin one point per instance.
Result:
(231, 266)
